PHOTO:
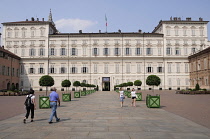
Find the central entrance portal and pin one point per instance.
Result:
(105, 83)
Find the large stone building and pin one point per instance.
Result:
(200, 69)
(9, 70)
(105, 58)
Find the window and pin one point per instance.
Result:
(168, 32)
(41, 51)
(128, 68)
(22, 52)
(186, 67)
(168, 42)
(117, 70)
(205, 63)
(63, 51)
(13, 72)
(149, 68)
(17, 72)
(138, 68)
(201, 32)
(41, 69)
(73, 69)
(95, 51)
(52, 51)
(106, 51)
(127, 51)
(169, 81)
(23, 33)
(42, 31)
(169, 67)
(159, 51)
(84, 70)
(178, 81)
(159, 68)
(116, 51)
(106, 68)
(9, 34)
(177, 51)
(16, 34)
(176, 32)
(138, 51)
(193, 50)
(32, 33)
(15, 50)
(52, 69)
(184, 32)
(62, 70)
(193, 32)
(168, 51)
(31, 70)
(186, 81)
(84, 50)
(149, 51)
(185, 51)
(95, 68)
(178, 67)
(73, 51)
(21, 69)
(32, 52)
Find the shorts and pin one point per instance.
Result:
(133, 97)
(121, 99)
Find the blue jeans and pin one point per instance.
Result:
(53, 105)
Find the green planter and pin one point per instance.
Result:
(44, 102)
(138, 96)
(129, 94)
(153, 101)
(76, 94)
(83, 93)
(66, 97)
(126, 93)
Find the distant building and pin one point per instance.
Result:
(200, 69)
(9, 69)
(105, 58)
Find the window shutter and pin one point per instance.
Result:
(76, 70)
(60, 51)
(43, 70)
(86, 69)
(98, 51)
(28, 70)
(29, 52)
(109, 51)
(43, 51)
(55, 52)
(130, 51)
(76, 51)
(60, 69)
(93, 51)
(119, 51)
(104, 51)
(151, 69)
(136, 51)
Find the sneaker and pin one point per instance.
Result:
(58, 120)
(50, 122)
(24, 121)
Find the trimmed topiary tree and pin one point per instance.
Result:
(137, 83)
(46, 80)
(197, 87)
(76, 84)
(153, 80)
(130, 84)
(66, 83)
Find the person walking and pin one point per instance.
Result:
(54, 99)
(133, 96)
(122, 97)
(30, 105)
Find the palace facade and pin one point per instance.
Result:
(105, 58)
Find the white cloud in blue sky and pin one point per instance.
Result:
(74, 25)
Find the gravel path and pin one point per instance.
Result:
(193, 107)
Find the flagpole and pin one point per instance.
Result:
(106, 22)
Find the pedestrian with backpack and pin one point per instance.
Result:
(30, 105)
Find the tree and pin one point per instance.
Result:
(137, 83)
(46, 80)
(12, 88)
(197, 87)
(153, 80)
(76, 84)
(66, 83)
(129, 83)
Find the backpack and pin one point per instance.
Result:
(28, 101)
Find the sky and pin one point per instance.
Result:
(70, 16)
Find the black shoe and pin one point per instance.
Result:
(32, 120)
(58, 120)
(24, 121)
(50, 122)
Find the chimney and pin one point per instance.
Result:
(3, 46)
(175, 18)
(188, 18)
(200, 19)
(99, 31)
(32, 19)
(119, 31)
(80, 31)
(42, 19)
(179, 18)
(26, 19)
(139, 30)
(37, 19)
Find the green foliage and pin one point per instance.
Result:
(124, 84)
(83, 84)
(153, 80)
(66, 83)
(76, 83)
(137, 83)
(12, 88)
(129, 83)
(197, 87)
(46, 80)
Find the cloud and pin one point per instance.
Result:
(74, 25)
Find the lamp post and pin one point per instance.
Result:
(0, 38)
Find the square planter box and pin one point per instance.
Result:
(138, 96)
(66, 97)
(126, 93)
(76, 94)
(44, 102)
(129, 95)
(83, 93)
(153, 101)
